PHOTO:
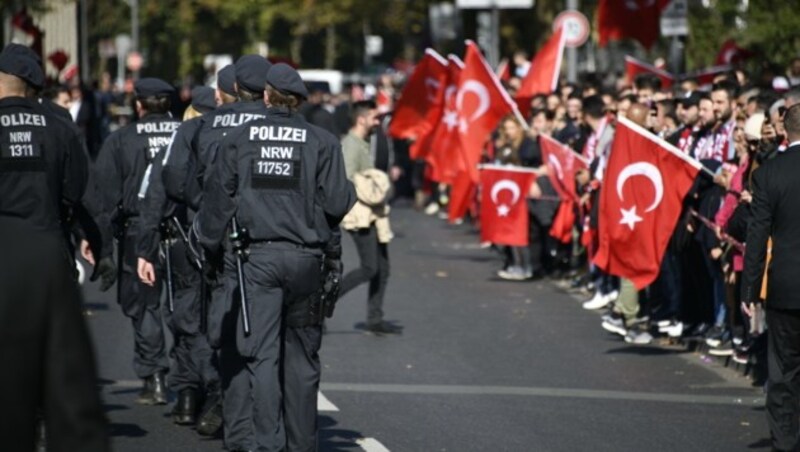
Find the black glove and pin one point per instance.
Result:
(332, 279)
(106, 270)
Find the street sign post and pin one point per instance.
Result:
(674, 21)
(576, 27)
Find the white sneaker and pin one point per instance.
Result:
(613, 295)
(664, 323)
(599, 301)
(432, 209)
(638, 337)
(672, 330)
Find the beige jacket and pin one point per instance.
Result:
(372, 190)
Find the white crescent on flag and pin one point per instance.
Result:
(431, 87)
(502, 185)
(647, 170)
(479, 90)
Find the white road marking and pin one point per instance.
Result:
(323, 404)
(371, 445)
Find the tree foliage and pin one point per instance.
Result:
(176, 34)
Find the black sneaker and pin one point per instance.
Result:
(384, 328)
(716, 336)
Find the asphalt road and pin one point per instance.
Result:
(482, 365)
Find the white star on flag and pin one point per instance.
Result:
(629, 217)
(450, 119)
(503, 210)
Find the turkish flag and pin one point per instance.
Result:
(706, 76)
(481, 102)
(731, 53)
(634, 67)
(562, 164)
(636, 19)
(417, 112)
(640, 202)
(439, 147)
(504, 70)
(542, 77)
(504, 206)
(462, 193)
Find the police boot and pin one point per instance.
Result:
(154, 391)
(183, 413)
(210, 420)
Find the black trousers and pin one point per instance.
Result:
(271, 377)
(783, 392)
(142, 304)
(44, 342)
(193, 366)
(374, 270)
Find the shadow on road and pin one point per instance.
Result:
(763, 443)
(645, 351)
(333, 439)
(127, 430)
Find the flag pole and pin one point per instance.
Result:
(666, 145)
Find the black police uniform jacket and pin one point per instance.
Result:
(282, 177)
(213, 129)
(124, 161)
(43, 164)
(156, 203)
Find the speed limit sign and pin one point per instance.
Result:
(576, 27)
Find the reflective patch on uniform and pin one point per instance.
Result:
(277, 167)
(20, 150)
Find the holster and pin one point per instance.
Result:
(305, 311)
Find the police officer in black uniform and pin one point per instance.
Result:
(284, 181)
(43, 173)
(124, 163)
(191, 158)
(162, 226)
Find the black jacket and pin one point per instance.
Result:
(43, 165)
(775, 212)
(282, 177)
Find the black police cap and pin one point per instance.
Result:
(152, 87)
(226, 79)
(23, 66)
(251, 72)
(286, 80)
(23, 50)
(203, 99)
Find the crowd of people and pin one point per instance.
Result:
(732, 126)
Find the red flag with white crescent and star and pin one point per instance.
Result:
(481, 102)
(504, 207)
(418, 109)
(640, 202)
(562, 164)
(439, 147)
(634, 67)
(542, 77)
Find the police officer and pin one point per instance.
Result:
(284, 180)
(162, 224)
(43, 172)
(122, 165)
(249, 79)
